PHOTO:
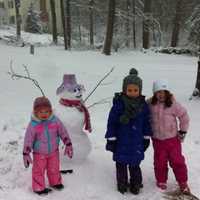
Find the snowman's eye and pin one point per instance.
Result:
(75, 90)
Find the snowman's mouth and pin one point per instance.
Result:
(79, 96)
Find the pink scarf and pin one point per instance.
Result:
(81, 107)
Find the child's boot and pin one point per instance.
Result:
(122, 188)
(184, 188)
(58, 187)
(43, 192)
(162, 186)
(135, 188)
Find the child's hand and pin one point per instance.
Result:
(69, 150)
(181, 135)
(111, 145)
(27, 159)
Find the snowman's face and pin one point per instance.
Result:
(75, 94)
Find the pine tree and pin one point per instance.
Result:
(33, 24)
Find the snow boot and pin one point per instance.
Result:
(43, 192)
(184, 188)
(122, 188)
(162, 186)
(135, 188)
(58, 187)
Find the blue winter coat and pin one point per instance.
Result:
(129, 137)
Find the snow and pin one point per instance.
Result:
(95, 178)
(28, 38)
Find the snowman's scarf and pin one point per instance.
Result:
(81, 107)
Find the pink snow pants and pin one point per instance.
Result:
(165, 151)
(41, 163)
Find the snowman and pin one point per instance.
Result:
(75, 116)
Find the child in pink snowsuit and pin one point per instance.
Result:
(42, 138)
(168, 135)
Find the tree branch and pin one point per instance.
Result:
(102, 101)
(99, 83)
(14, 75)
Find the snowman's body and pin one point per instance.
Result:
(73, 120)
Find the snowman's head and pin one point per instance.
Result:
(69, 88)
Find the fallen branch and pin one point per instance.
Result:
(98, 84)
(14, 75)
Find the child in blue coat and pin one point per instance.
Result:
(128, 132)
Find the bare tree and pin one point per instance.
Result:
(197, 85)
(134, 22)
(147, 13)
(128, 5)
(68, 23)
(79, 24)
(109, 30)
(177, 23)
(62, 9)
(54, 22)
(18, 19)
(91, 19)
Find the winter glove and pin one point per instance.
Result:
(27, 159)
(68, 150)
(146, 143)
(111, 145)
(181, 135)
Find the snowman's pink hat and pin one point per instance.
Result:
(69, 84)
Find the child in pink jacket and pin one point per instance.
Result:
(42, 138)
(168, 135)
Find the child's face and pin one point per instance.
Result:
(161, 96)
(43, 113)
(132, 90)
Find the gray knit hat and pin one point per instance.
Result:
(132, 78)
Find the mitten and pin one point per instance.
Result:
(146, 143)
(111, 145)
(68, 150)
(27, 159)
(181, 135)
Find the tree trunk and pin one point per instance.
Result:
(177, 23)
(128, 23)
(54, 23)
(79, 25)
(68, 23)
(91, 19)
(18, 19)
(134, 24)
(198, 78)
(147, 13)
(109, 29)
(62, 9)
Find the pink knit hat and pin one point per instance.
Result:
(41, 102)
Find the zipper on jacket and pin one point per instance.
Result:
(48, 137)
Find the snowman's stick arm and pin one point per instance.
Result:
(98, 84)
(13, 75)
(102, 101)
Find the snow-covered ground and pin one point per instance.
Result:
(94, 179)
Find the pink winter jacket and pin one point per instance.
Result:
(167, 121)
(43, 136)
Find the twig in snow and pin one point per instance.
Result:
(14, 75)
(99, 83)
